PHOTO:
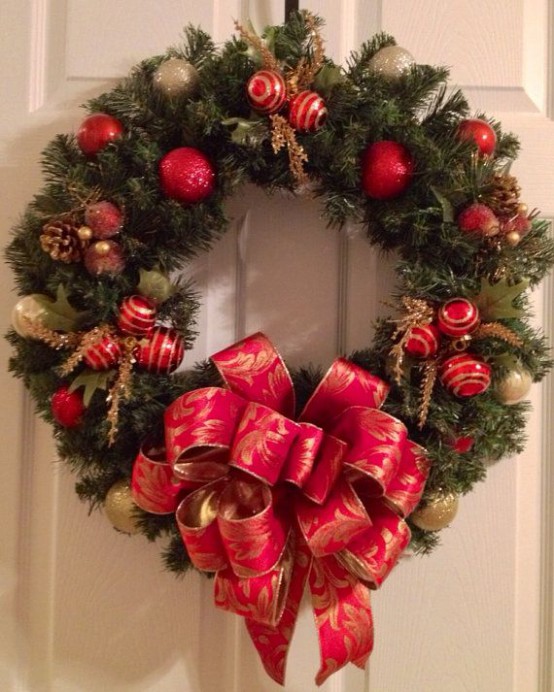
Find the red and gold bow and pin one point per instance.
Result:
(272, 503)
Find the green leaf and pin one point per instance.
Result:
(59, 314)
(245, 130)
(495, 301)
(156, 285)
(327, 77)
(91, 380)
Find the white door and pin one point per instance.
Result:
(85, 608)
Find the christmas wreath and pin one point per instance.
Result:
(270, 478)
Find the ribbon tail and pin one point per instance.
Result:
(343, 617)
(272, 643)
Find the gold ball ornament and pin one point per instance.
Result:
(437, 513)
(514, 387)
(176, 77)
(31, 309)
(120, 507)
(391, 62)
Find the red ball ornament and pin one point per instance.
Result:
(137, 316)
(387, 169)
(67, 407)
(97, 131)
(104, 257)
(103, 355)
(186, 175)
(480, 132)
(266, 91)
(465, 375)
(307, 111)
(458, 317)
(423, 341)
(104, 219)
(162, 351)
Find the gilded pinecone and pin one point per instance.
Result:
(60, 239)
(503, 195)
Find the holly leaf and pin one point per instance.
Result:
(91, 380)
(245, 131)
(58, 314)
(496, 301)
(155, 285)
(327, 77)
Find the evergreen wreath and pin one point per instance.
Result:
(140, 191)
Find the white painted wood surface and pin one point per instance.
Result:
(84, 608)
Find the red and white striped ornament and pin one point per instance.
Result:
(103, 355)
(162, 351)
(423, 341)
(458, 317)
(465, 375)
(137, 316)
(307, 112)
(266, 91)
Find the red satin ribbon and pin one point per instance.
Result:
(272, 503)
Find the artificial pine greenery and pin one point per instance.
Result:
(436, 260)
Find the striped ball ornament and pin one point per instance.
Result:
(266, 91)
(103, 355)
(162, 351)
(137, 316)
(308, 112)
(458, 317)
(465, 375)
(423, 341)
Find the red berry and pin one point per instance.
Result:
(186, 175)
(97, 131)
(387, 169)
(479, 219)
(480, 132)
(520, 224)
(104, 219)
(462, 444)
(67, 407)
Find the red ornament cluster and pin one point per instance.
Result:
(157, 349)
(461, 374)
(266, 92)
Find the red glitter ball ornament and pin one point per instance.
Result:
(387, 169)
(480, 132)
(137, 316)
(186, 175)
(97, 131)
(104, 257)
(307, 111)
(458, 317)
(162, 351)
(465, 375)
(479, 219)
(103, 355)
(67, 407)
(104, 219)
(266, 91)
(423, 341)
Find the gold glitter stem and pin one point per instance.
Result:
(497, 331)
(427, 386)
(269, 61)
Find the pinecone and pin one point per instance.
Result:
(60, 238)
(502, 195)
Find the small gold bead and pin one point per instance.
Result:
(102, 248)
(513, 238)
(522, 208)
(84, 233)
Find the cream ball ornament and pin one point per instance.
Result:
(31, 309)
(391, 62)
(176, 77)
(120, 508)
(514, 386)
(436, 514)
